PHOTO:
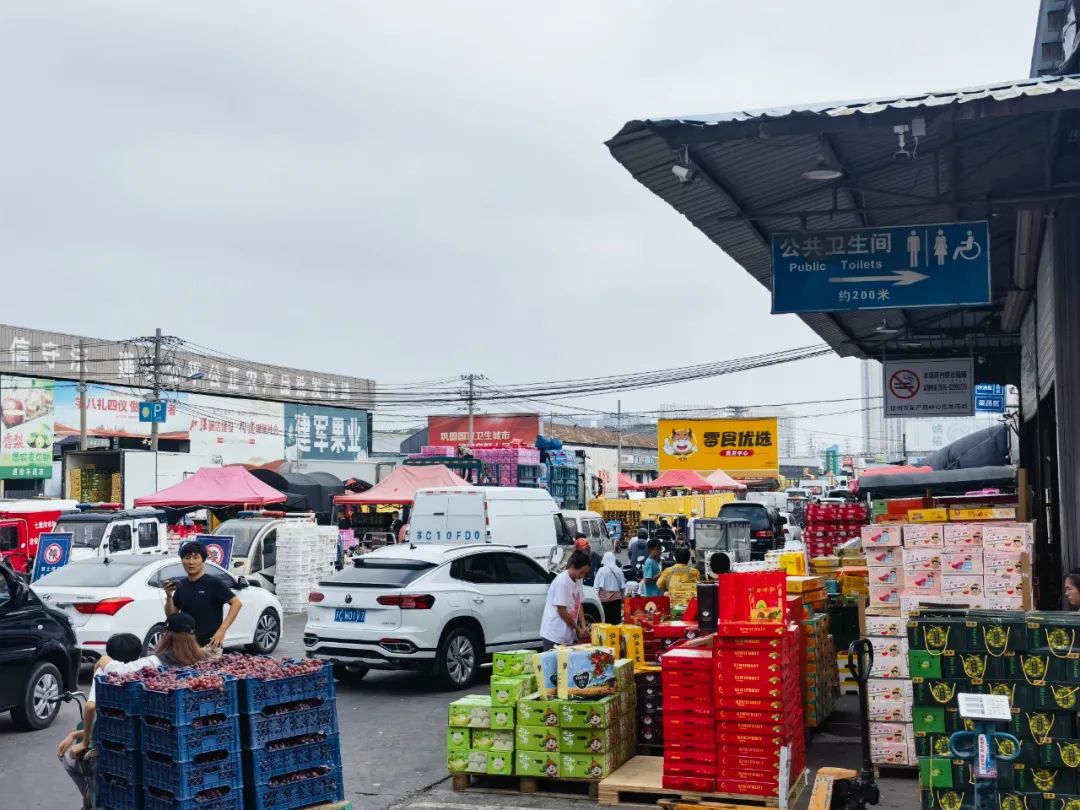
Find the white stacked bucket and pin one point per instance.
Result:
(294, 565)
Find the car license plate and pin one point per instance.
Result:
(349, 615)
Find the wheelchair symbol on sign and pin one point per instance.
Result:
(969, 249)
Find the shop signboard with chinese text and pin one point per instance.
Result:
(989, 398)
(27, 427)
(915, 388)
(489, 430)
(945, 264)
(239, 431)
(319, 433)
(115, 412)
(746, 446)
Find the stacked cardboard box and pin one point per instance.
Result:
(690, 751)
(889, 688)
(829, 525)
(650, 709)
(820, 683)
(1027, 657)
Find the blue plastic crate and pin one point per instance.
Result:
(317, 790)
(183, 742)
(261, 765)
(127, 697)
(121, 730)
(259, 729)
(158, 799)
(114, 793)
(255, 695)
(187, 779)
(119, 759)
(184, 705)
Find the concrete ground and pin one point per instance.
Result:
(393, 748)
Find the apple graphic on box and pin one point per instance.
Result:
(14, 411)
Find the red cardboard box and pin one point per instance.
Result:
(754, 597)
(735, 783)
(646, 611)
(690, 784)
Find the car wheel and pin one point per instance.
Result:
(458, 659)
(267, 633)
(40, 703)
(350, 673)
(591, 616)
(153, 637)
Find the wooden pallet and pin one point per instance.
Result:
(641, 781)
(568, 788)
(332, 806)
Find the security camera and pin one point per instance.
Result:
(684, 173)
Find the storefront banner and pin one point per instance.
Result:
(54, 551)
(27, 427)
(238, 431)
(489, 430)
(317, 433)
(734, 445)
(218, 548)
(113, 411)
(928, 388)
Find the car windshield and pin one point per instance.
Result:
(84, 533)
(95, 573)
(243, 531)
(381, 572)
(755, 513)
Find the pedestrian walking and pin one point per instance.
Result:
(564, 620)
(650, 572)
(581, 543)
(202, 597)
(610, 584)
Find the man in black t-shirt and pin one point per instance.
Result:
(201, 597)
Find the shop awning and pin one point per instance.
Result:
(986, 154)
(400, 486)
(939, 482)
(680, 479)
(721, 480)
(628, 484)
(215, 486)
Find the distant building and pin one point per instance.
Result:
(1048, 53)
(599, 447)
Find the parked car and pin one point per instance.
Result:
(254, 552)
(125, 594)
(590, 524)
(438, 609)
(109, 530)
(39, 656)
(766, 525)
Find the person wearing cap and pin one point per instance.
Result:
(581, 543)
(202, 597)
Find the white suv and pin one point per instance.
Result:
(440, 609)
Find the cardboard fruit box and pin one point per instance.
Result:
(529, 763)
(512, 664)
(582, 741)
(587, 714)
(471, 711)
(535, 710)
(537, 738)
(585, 766)
(507, 691)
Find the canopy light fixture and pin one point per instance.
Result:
(885, 329)
(823, 171)
(683, 168)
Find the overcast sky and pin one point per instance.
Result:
(409, 190)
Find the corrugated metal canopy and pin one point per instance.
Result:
(987, 151)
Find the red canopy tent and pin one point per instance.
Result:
(216, 486)
(400, 486)
(626, 483)
(721, 480)
(680, 479)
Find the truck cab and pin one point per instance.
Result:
(21, 525)
(101, 530)
(254, 552)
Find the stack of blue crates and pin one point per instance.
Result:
(117, 732)
(290, 729)
(191, 749)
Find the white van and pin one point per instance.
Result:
(590, 524)
(254, 551)
(104, 531)
(524, 518)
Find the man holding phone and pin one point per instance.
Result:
(201, 597)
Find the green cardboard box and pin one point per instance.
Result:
(1043, 779)
(936, 773)
(1059, 753)
(538, 738)
(482, 739)
(923, 664)
(624, 674)
(458, 739)
(508, 691)
(942, 693)
(587, 713)
(1053, 697)
(471, 711)
(457, 761)
(537, 711)
(500, 763)
(577, 766)
(932, 745)
(502, 741)
(928, 719)
(502, 717)
(531, 763)
(512, 664)
(587, 741)
(1043, 726)
(477, 762)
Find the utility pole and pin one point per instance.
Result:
(470, 398)
(157, 388)
(84, 443)
(618, 430)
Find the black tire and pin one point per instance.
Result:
(350, 673)
(36, 711)
(153, 636)
(591, 616)
(267, 633)
(457, 662)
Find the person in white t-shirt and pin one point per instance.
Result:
(564, 620)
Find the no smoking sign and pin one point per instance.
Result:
(904, 384)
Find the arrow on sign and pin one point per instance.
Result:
(900, 278)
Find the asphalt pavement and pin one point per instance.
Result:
(393, 745)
